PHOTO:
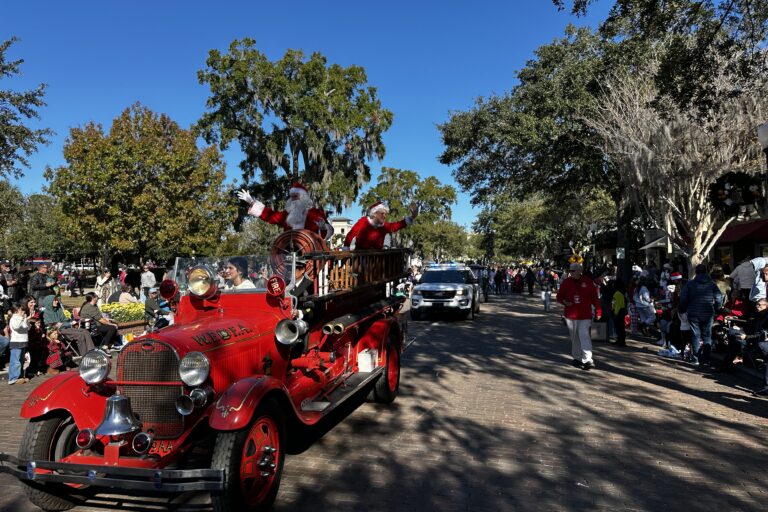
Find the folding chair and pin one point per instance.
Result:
(70, 345)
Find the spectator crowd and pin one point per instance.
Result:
(38, 335)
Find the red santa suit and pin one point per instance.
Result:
(315, 219)
(314, 215)
(368, 236)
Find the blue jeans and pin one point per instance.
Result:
(701, 329)
(4, 342)
(16, 364)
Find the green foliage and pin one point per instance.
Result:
(399, 189)
(296, 118)
(122, 313)
(446, 241)
(17, 140)
(255, 237)
(143, 188)
(540, 225)
(699, 36)
(534, 136)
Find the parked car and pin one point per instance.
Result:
(206, 403)
(446, 288)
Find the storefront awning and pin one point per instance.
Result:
(659, 243)
(747, 231)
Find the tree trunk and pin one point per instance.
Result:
(624, 271)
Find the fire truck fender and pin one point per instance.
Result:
(377, 335)
(68, 392)
(235, 407)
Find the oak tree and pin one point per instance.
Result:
(143, 188)
(296, 118)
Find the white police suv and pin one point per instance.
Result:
(449, 288)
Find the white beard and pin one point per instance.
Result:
(375, 223)
(297, 212)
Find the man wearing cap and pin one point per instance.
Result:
(40, 285)
(8, 282)
(579, 294)
(152, 307)
(298, 214)
(370, 231)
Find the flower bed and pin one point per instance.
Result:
(122, 313)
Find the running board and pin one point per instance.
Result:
(350, 387)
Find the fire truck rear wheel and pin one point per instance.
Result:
(252, 460)
(388, 384)
(50, 438)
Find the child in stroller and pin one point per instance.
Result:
(59, 358)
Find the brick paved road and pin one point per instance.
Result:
(492, 417)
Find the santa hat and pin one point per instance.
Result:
(298, 188)
(378, 206)
(675, 276)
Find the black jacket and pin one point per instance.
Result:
(38, 286)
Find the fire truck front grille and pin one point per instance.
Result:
(152, 361)
(439, 294)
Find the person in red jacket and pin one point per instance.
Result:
(298, 214)
(369, 232)
(578, 294)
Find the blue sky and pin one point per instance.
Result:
(427, 59)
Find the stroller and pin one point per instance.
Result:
(61, 354)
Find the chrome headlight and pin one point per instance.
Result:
(461, 291)
(194, 369)
(95, 367)
(201, 281)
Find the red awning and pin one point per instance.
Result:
(747, 231)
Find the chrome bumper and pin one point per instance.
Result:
(110, 477)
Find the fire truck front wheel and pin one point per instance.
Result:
(252, 460)
(50, 438)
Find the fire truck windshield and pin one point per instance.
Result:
(234, 274)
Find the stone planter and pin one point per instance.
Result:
(136, 327)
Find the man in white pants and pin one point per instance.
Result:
(578, 294)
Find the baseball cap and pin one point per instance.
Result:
(5, 262)
(153, 290)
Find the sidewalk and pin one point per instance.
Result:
(756, 378)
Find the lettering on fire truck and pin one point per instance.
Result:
(161, 448)
(210, 337)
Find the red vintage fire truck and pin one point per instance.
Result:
(209, 402)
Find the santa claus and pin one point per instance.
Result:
(298, 214)
(369, 232)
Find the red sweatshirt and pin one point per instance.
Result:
(582, 294)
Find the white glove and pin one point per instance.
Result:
(244, 195)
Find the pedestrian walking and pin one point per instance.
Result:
(148, 280)
(619, 311)
(578, 294)
(700, 299)
(547, 284)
